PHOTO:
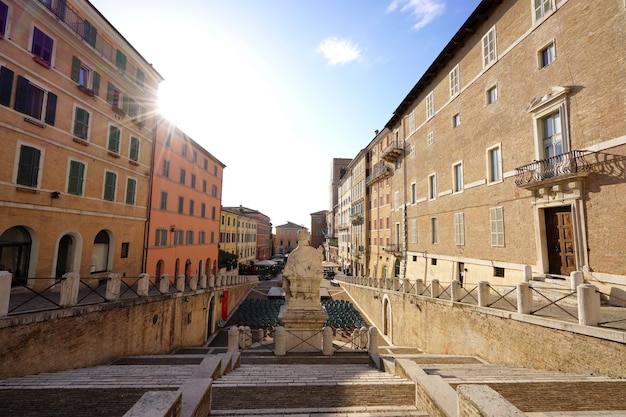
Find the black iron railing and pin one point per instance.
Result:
(558, 166)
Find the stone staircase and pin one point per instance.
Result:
(309, 385)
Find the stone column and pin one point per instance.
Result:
(245, 337)
(193, 282)
(588, 305)
(373, 346)
(576, 278)
(406, 285)
(211, 282)
(203, 281)
(363, 338)
(528, 273)
(180, 283)
(143, 285)
(5, 292)
(419, 286)
(327, 336)
(435, 288)
(397, 284)
(69, 289)
(280, 341)
(456, 291)
(483, 293)
(114, 282)
(233, 339)
(164, 284)
(524, 298)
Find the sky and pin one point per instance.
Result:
(275, 89)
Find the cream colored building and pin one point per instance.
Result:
(76, 107)
(508, 151)
(358, 215)
(344, 195)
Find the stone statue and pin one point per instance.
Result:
(303, 272)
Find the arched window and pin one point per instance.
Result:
(100, 255)
(15, 245)
(160, 267)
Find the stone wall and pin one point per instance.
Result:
(97, 334)
(501, 337)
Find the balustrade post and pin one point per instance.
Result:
(233, 339)
(524, 298)
(456, 290)
(164, 284)
(180, 283)
(203, 281)
(69, 289)
(327, 338)
(419, 286)
(5, 292)
(483, 293)
(373, 345)
(528, 273)
(245, 337)
(406, 285)
(397, 284)
(114, 282)
(211, 283)
(435, 288)
(193, 282)
(363, 338)
(280, 341)
(143, 285)
(588, 305)
(576, 279)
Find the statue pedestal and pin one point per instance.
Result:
(304, 325)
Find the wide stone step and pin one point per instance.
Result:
(310, 386)
(360, 411)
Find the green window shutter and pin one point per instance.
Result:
(81, 123)
(134, 149)
(110, 92)
(6, 86)
(21, 95)
(51, 109)
(89, 33)
(96, 83)
(141, 78)
(125, 104)
(114, 139)
(120, 61)
(75, 75)
(131, 187)
(75, 182)
(109, 186)
(28, 167)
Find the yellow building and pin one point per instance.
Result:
(238, 234)
(76, 110)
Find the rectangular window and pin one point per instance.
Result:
(131, 190)
(551, 135)
(412, 125)
(492, 94)
(214, 190)
(494, 161)
(396, 200)
(125, 250)
(456, 120)
(140, 79)
(498, 271)
(194, 157)
(114, 97)
(42, 47)
(430, 105)
(206, 164)
(76, 178)
(413, 193)
(181, 205)
(201, 237)
(489, 47)
(190, 237)
(193, 181)
(547, 55)
(4, 17)
(28, 166)
(413, 230)
(87, 79)
(81, 123)
(120, 61)
(166, 168)
(163, 200)
(432, 187)
(457, 177)
(178, 237)
(212, 237)
(89, 31)
(33, 100)
(192, 206)
(430, 138)
(203, 210)
(110, 183)
(114, 139)
(459, 229)
(213, 213)
(160, 237)
(184, 151)
(541, 7)
(204, 186)
(183, 174)
(454, 81)
(434, 233)
(133, 152)
(496, 218)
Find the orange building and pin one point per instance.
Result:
(319, 228)
(184, 225)
(286, 238)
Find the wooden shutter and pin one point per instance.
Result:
(75, 74)
(21, 95)
(51, 109)
(6, 86)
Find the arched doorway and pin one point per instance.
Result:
(199, 270)
(160, 267)
(176, 268)
(15, 247)
(65, 255)
(187, 269)
(207, 267)
(101, 252)
(386, 316)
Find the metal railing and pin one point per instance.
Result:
(557, 166)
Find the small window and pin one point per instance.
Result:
(432, 187)
(433, 261)
(163, 200)
(114, 139)
(547, 55)
(454, 82)
(166, 168)
(125, 250)
(4, 17)
(413, 230)
(412, 151)
(412, 124)
(114, 97)
(190, 237)
(434, 232)
(81, 123)
(498, 272)
(110, 183)
(87, 80)
(492, 94)
(181, 205)
(193, 181)
(184, 151)
(183, 174)
(489, 47)
(133, 152)
(131, 190)
(203, 210)
(214, 190)
(459, 229)
(28, 166)
(76, 178)
(195, 156)
(42, 47)
(413, 193)
(541, 8)
(160, 237)
(120, 61)
(192, 206)
(430, 105)
(496, 217)
(457, 177)
(178, 237)
(494, 164)
(456, 120)
(430, 138)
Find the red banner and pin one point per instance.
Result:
(225, 305)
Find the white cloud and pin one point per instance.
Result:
(424, 11)
(339, 51)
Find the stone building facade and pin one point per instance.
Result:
(77, 105)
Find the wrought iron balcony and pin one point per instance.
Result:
(356, 219)
(554, 169)
(392, 152)
(395, 248)
(378, 172)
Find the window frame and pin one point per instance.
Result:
(434, 231)
(459, 229)
(430, 138)
(114, 141)
(539, 11)
(457, 177)
(25, 101)
(31, 169)
(430, 105)
(489, 47)
(544, 60)
(163, 201)
(491, 179)
(456, 120)
(77, 178)
(42, 47)
(131, 192)
(81, 125)
(134, 148)
(491, 94)
(109, 191)
(496, 226)
(4, 19)
(432, 186)
(414, 193)
(455, 83)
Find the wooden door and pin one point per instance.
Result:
(560, 241)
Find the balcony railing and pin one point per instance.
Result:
(393, 151)
(379, 171)
(570, 164)
(395, 248)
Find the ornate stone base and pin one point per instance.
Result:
(303, 328)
